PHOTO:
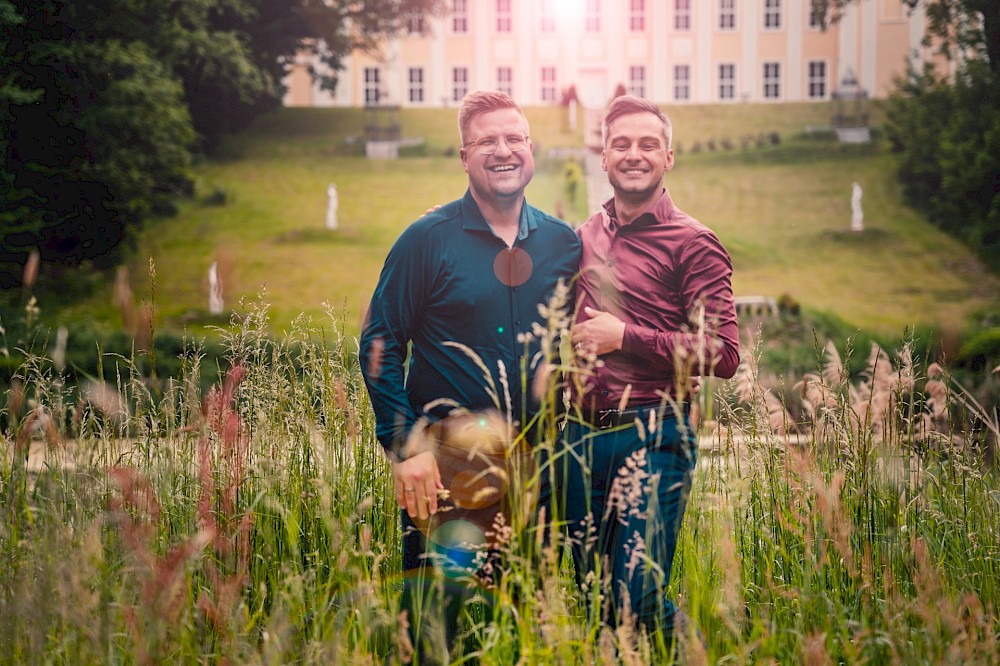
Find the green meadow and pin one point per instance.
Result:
(782, 210)
(845, 508)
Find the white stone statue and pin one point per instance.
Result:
(215, 305)
(331, 207)
(857, 215)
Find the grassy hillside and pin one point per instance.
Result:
(783, 211)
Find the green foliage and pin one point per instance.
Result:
(102, 103)
(947, 140)
(256, 523)
(982, 350)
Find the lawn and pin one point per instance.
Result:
(782, 211)
(148, 520)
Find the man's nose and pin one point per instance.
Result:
(502, 147)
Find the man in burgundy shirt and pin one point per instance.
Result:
(654, 307)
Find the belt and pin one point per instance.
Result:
(604, 419)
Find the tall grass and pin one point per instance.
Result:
(256, 523)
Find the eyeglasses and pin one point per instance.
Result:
(488, 145)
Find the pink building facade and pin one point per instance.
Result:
(669, 51)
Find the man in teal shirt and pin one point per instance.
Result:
(459, 291)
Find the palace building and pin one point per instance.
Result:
(669, 51)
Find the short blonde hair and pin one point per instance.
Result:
(483, 101)
(627, 105)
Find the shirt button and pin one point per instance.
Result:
(611, 262)
(517, 322)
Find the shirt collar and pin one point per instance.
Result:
(661, 211)
(473, 219)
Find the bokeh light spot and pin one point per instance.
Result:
(513, 266)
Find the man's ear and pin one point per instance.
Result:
(465, 159)
(604, 160)
(670, 160)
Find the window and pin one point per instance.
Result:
(727, 81)
(460, 16)
(637, 15)
(817, 79)
(504, 22)
(772, 80)
(727, 14)
(548, 90)
(816, 16)
(593, 20)
(415, 23)
(505, 80)
(772, 14)
(372, 89)
(682, 15)
(459, 83)
(547, 16)
(682, 82)
(637, 80)
(416, 85)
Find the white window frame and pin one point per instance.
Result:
(727, 15)
(682, 15)
(637, 15)
(592, 23)
(682, 84)
(815, 18)
(548, 77)
(459, 17)
(373, 85)
(415, 85)
(459, 83)
(415, 24)
(817, 82)
(727, 84)
(771, 78)
(771, 15)
(505, 20)
(505, 80)
(637, 80)
(546, 16)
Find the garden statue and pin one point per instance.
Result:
(857, 215)
(331, 207)
(214, 290)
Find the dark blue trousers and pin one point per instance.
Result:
(624, 493)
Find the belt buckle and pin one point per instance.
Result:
(607, 418)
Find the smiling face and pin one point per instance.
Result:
(636, 156)
(503, 174)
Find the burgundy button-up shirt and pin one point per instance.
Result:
(655, 274)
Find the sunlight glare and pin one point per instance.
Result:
(569, 10)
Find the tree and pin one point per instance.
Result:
(95, 135)
(945, 131)
(960, 26)
(103, 104)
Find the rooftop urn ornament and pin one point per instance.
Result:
(383, 131)
(850, 110)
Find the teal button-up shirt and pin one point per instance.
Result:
(448, 278)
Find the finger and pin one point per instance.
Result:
(432, 497)
(422, 502)
(591, 312)
(410, 502)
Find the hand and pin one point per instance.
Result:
(432, 209)
(417, 482)
(600, 334)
